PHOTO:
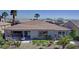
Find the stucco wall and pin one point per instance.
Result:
(2, 27)
(34, 34)
(53, 34)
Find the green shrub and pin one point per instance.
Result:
(17, 43)
(11, 42)
(38, 44)
(2, 42)
(56, 46)
(51, 41)
(41, 42)
(34, 42)
(76, 38)
(5, 46)
(71, 46)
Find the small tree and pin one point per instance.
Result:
(64, 41)
(4, 15)
(73, 33)
(1, 39)
(37, 16)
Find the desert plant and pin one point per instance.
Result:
(10, 42)
(17, 43)
(5, 46)
(71, 46)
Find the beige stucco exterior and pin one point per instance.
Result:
(3, 26)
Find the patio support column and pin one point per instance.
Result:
(23, 35)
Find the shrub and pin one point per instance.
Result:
(9, 42)
(51, 41)
(17, 43)
(40, 42)
(56, 46)
(34, 42)
(76, 38)
(2, 42)
(71, 46)
(5, 46)
(73, 33)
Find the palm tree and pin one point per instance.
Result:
(13, 13)
(37, 16)
(4, 15)
(64, 41)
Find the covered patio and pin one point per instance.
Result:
(18, 35)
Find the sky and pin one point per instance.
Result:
(29, 14)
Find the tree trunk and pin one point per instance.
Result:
(13, 21)
(5, 19)
(37, 18)
(63, 47)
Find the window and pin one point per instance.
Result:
(59, 33)
(27, 33)
(43, 33)
(63, 33)
(17, 33)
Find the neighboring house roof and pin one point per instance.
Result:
(36, 25)
(76, 23)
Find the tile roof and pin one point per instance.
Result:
(36, 25)
(76, 22)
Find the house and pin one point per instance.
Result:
(4, 25)
(74, 25)
(35, 29)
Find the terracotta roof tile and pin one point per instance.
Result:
(36, 25)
